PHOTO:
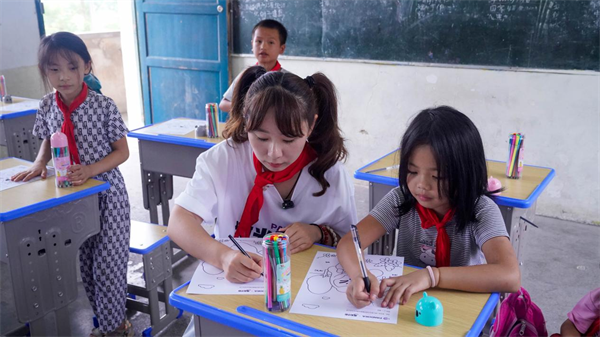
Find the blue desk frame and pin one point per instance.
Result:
(249, 320)
(513, 210)
(42, 241)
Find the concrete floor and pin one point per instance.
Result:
(561, 264)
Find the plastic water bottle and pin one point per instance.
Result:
(59, 146)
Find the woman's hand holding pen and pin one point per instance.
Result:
(357, 294)
(403, 287)
(239, 268)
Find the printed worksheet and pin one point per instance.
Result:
(6, 183)
(323, 292)
(209, 280)
(177, 127)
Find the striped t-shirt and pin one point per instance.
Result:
(417, 245)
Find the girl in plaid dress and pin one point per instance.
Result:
(97, 144)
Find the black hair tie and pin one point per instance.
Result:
(310, 81)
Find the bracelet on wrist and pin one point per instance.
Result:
(320, 231)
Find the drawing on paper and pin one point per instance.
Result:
(323, 292)
(208, 279)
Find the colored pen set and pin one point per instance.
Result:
(277, 272)
(60, 158)
(514, 164)
(212, 119)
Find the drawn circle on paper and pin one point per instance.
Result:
(210, 269)
(206, 286)
(310, 306)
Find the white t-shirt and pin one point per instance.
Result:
(225, 175)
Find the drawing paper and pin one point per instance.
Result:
(210, 280)
(323, 292)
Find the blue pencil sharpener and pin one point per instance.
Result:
(429, 311)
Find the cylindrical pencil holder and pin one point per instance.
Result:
(277, 270)
(514, 163)
(61, 159)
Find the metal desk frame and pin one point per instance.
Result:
(42, 241)
(16, 131)
(161, 158)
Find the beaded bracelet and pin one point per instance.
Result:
(320, 230)
(327, 239)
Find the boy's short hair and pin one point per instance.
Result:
(272, 24)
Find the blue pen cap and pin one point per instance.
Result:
(429, 311)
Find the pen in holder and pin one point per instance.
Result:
(61, 159)
(212, 120)
(6, 98)
(514, 164)
(277, 272)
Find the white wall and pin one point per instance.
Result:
(557, 111)
(19, 40)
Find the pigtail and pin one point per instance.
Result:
(325, 138)
(235, 126)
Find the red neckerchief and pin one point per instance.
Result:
(277, 66)
(442, 245)
(67, 128)
(255, 198)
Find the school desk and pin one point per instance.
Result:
(16, 122)
(163, 156)
(517, 203)
(243, 315)
(43, 227)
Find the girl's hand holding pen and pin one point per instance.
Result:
(357, 294)
(239, 268)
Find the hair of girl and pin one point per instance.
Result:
(64, 44)
(458, 151)
(293, 103)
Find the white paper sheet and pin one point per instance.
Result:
(176, 126)
(209, 280)
(6, 183)
(323, 292)
(20, 106)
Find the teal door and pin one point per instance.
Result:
(183, 56)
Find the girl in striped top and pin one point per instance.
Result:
(446, 219)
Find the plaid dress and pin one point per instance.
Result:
(98, 123)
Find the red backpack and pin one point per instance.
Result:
(519, 316)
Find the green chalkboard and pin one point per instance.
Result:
(550, 34)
